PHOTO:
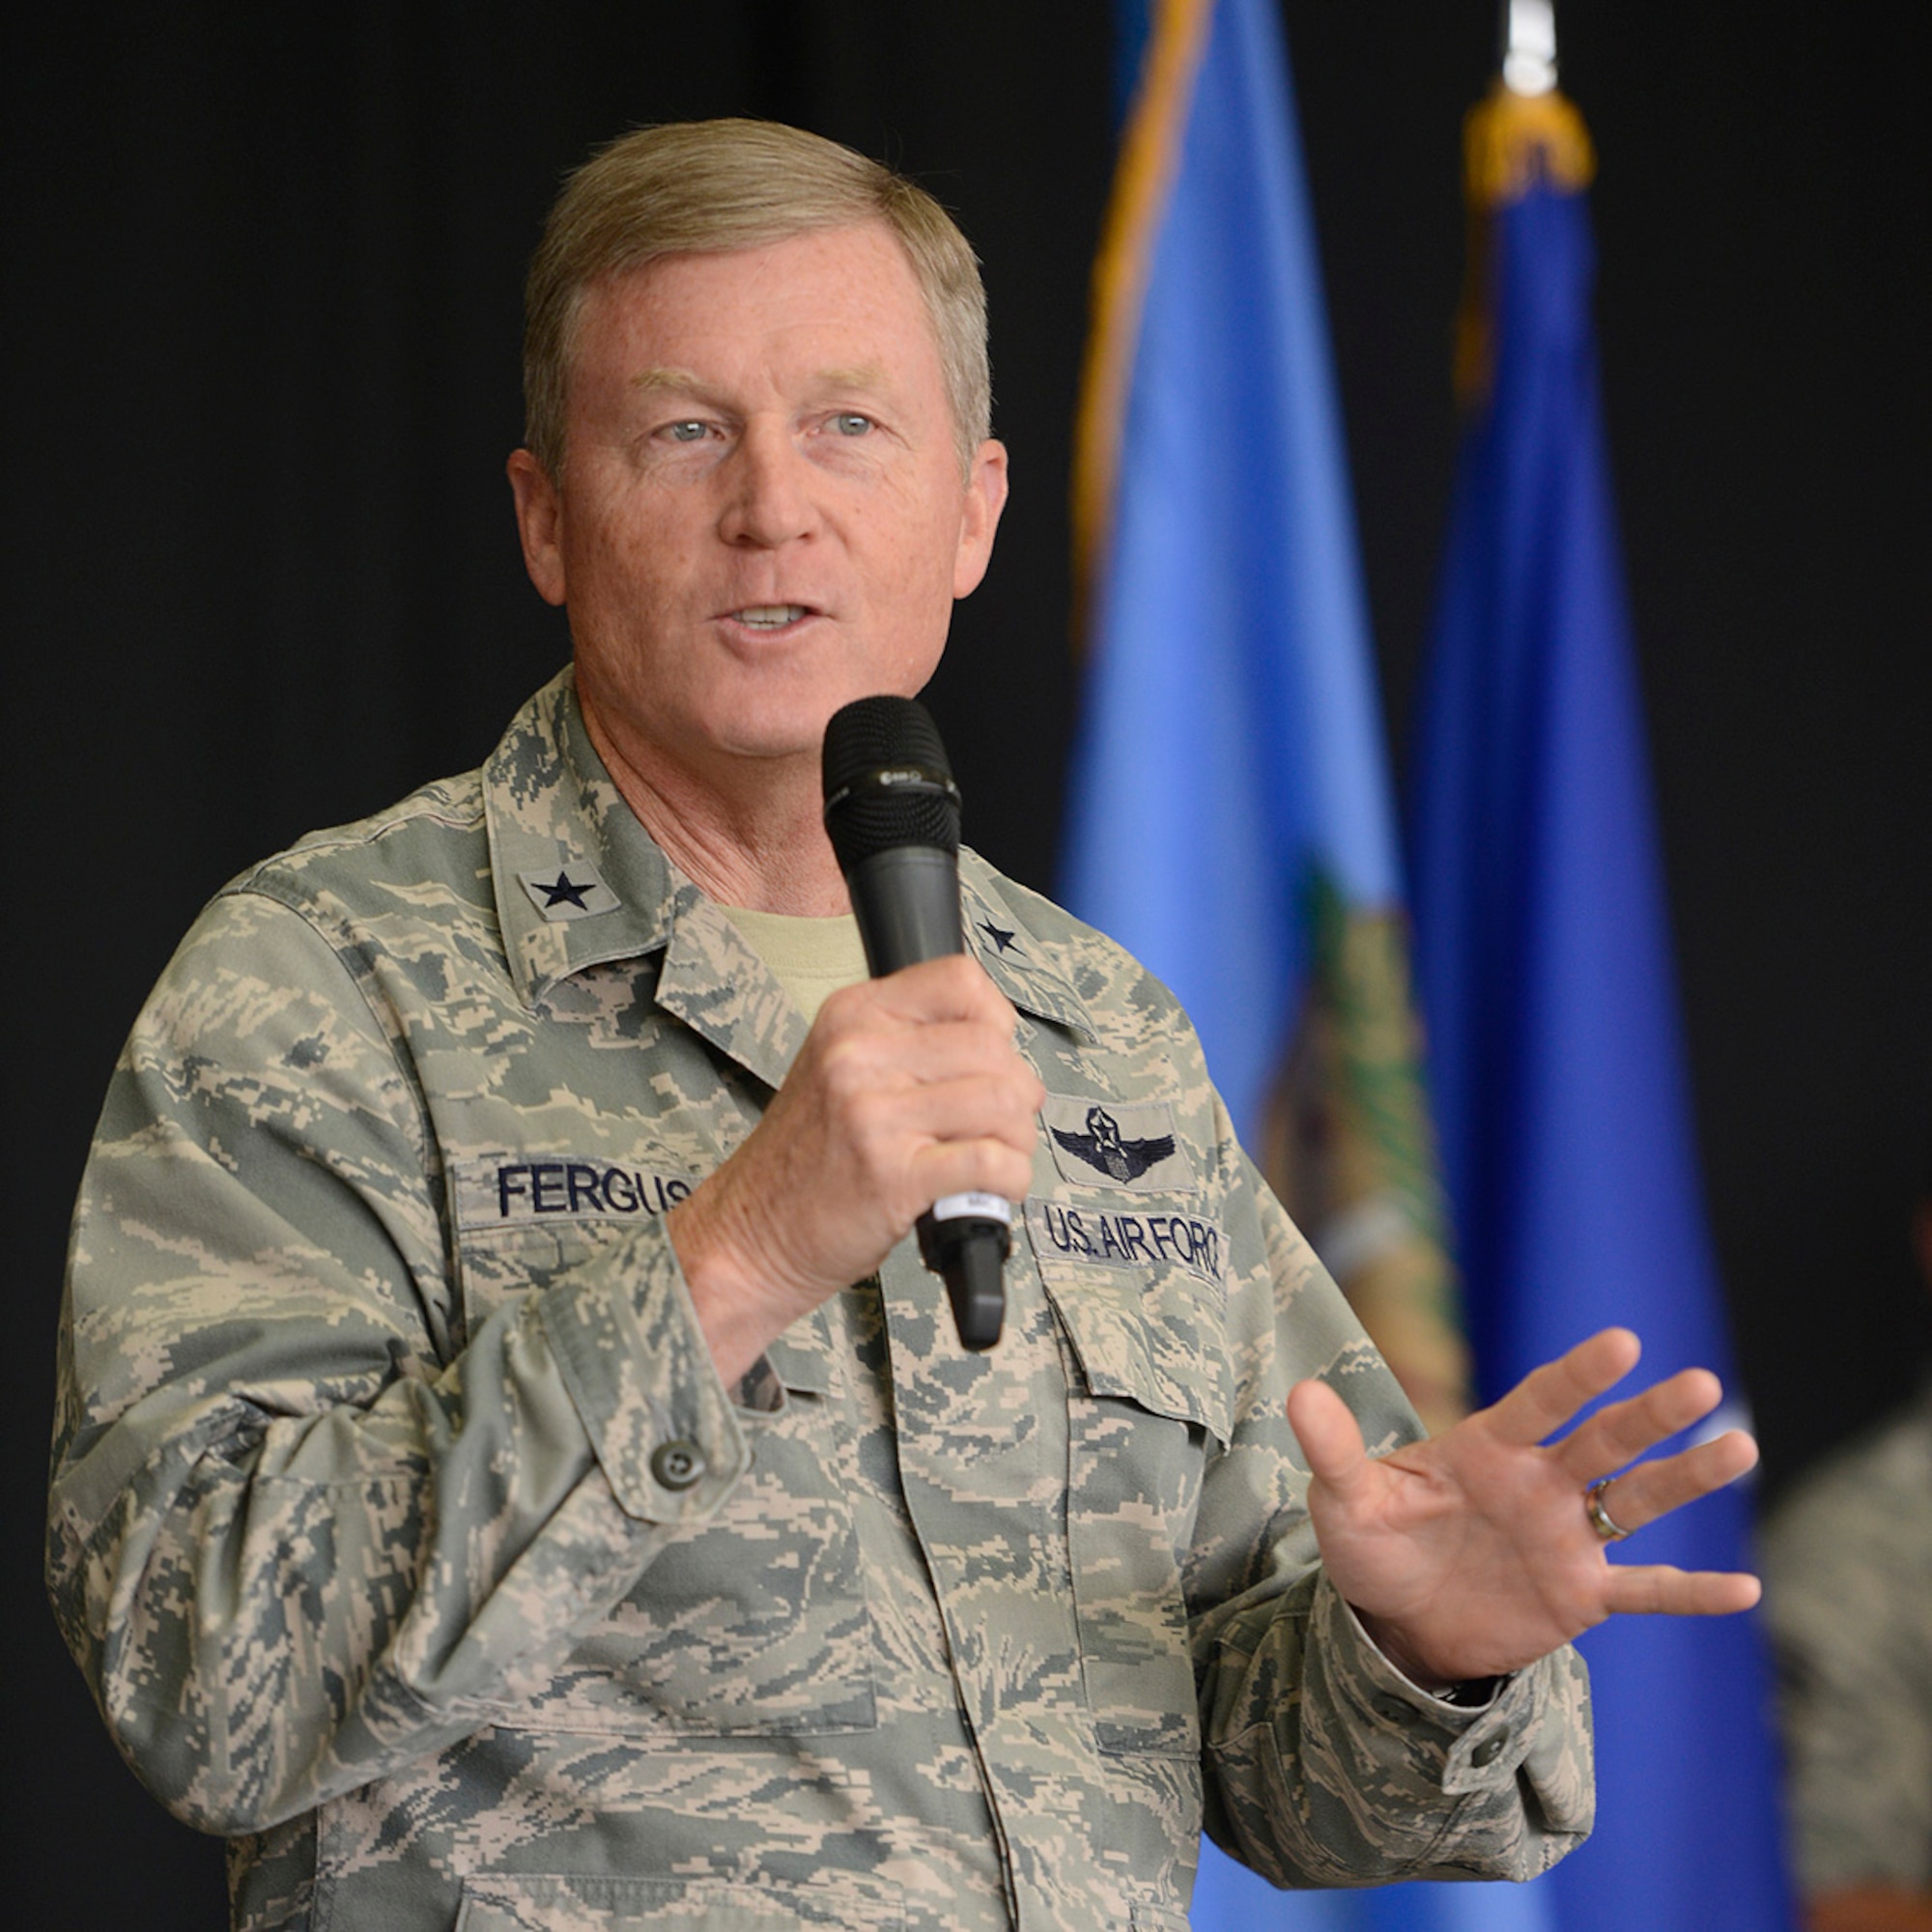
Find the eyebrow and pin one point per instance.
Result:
(658, 377)
(862, 376)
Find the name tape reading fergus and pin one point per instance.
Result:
(506, 1187)
(1113, 1238)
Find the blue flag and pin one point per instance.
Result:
(1229, 737)
(1229, 813)
(1555, 1069)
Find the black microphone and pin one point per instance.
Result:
(892, 813)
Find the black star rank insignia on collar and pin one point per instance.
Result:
(573, 889)
(563, 890)
(1004, 940)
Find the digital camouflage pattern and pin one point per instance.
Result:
(1847, 1563)
(405, 1531)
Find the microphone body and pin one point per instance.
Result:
(892, 813)
(906, 900)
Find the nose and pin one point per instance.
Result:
(769, 500)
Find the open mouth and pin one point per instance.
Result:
(769, 616)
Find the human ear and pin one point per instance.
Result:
(539, 524)
(985, 498)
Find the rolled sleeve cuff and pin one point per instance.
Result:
(1537, 1723)
(661, 1421)
(1479, 1747)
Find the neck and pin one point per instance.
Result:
(759, 842)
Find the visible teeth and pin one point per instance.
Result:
(769, 616)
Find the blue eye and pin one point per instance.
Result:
(685, 432)
(849, 422)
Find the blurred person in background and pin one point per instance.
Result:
(1847, 1563)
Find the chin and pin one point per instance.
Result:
(774, 731)
(792, 723)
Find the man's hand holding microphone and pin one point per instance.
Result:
(908, 1093)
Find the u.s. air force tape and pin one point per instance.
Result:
(1114, 1238)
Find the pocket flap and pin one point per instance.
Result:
(1156, 1339)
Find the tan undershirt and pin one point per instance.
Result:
(810, 958)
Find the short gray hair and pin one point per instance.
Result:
(711, 186)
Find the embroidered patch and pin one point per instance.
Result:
(1131, 1145)
(571, 890)
(502, 1189)
(1112, 1237)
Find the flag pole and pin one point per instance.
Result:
(1529, 45)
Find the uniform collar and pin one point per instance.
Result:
(1015, 959)
(555, 818)
(552, 811)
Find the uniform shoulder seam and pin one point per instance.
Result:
(454, 804)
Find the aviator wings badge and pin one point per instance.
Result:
(1133, 1146)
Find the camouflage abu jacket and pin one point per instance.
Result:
(1847, 1560)
(406, 1533)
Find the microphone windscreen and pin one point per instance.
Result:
(887, 781)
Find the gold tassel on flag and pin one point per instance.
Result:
(1511, 142)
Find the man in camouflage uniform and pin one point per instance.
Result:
(1848, 1597)
(513, 1470)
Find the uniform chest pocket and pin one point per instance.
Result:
(755, 1622)
(1149, 1398)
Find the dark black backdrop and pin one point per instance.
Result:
(261, 315)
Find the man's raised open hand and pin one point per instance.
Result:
(1472, 1553)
